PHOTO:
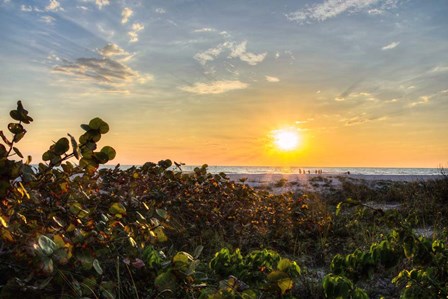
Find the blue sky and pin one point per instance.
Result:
(207, 81)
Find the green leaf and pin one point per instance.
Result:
(85, 127)
(165, 281)
(15, 115)
(162, 213)
(101, 157)
(97, 267)
(47, 156)
(75, 147)
(19, 136)
(46, 244)
(61, 146)
(117, 208)
(283, 264)
(3, 222)
(15, 128)
(98, 124)
(161, 237)
(285, 284)
(109, 151)
(16, 150)
(338, 208)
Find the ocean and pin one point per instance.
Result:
(325, 170)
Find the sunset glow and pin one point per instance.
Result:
(286, 139)
(207, 82)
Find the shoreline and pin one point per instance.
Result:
(280, 183)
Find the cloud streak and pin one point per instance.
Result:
(126, 13)
(215, 87)
(332, 8)
(133, 34)
(234, 50)
(107, 71)
(390, 46)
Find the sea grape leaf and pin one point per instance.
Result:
(161, 237)
(97, 267)
(165, 281)
(117, 208)
(101, 157)
(284, 264)
(15, 128)
(16, 150)
(46, 244)
(162, 213)
(285, 284)
(61, 146)
(75, 147)
(19, 136)
(3, 222)
(100, 125)
(109, 151)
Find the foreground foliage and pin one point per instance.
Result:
(69, 231)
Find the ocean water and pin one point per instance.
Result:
(325, 170)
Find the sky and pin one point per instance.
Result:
(363, 82)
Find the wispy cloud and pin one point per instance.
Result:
(107, 71)
(54, 5)
(205, 29)
(133, 34)
(272, 79)
(47, 19)
(126, 13)
(332, 8)
(101, 3)
(26, 8)
(239, 51)
(361, 119)
(439, 69)
(390, 46)
(215, 87)
(160, 11)
(113, 50)
(421, 101)
(235, 50)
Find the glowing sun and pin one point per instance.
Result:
(286, 139)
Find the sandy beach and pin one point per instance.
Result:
(289, 182)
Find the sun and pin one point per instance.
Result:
(286, 139)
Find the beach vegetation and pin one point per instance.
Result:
(70, 228)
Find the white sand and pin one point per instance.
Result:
(290, 182)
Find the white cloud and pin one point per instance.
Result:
(133, 34)
(236, 51)
(390, 46)
(54, 5)
(439, 69)
(101, 3)
(126, 14)
(422, 100)
(332, 8)
(209, 55)
(215, 87)
(47, 19)
(239, 51)
(108, 71)
(111, 50)
(160, 11)
(205, 29)
(26, 8)
(272, 79)
(82, 7)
